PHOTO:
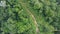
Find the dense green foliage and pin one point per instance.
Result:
(15, 18)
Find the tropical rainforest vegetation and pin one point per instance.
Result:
(30, 17)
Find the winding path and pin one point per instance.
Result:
(28, 11)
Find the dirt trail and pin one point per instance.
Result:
(28, 11)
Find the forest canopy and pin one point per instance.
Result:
(29, 16)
